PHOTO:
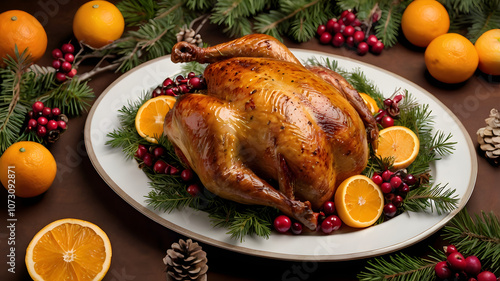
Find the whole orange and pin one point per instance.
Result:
(488, 49)
(21, 29)
(451, 58)
(98, 23)
(27, 169)
(424, 20)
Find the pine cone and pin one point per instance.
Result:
(489, 137)
(186, 261)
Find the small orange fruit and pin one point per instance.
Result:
(424, 20)
(33, 168)
(451, 58)
(359, 201)
(21, 29)
(151, 116)
(98, 23)
(398, 142)
(69, 249)
(488, 49)
(370, 103)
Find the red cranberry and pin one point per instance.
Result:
(336, 28)
(356, 23)
(69, 57)
(52, 125)
(362, 48)
(41, 131)
(410, 179)
(387, 121)
(335, 220)
(456, 261)
(32, 124)
(450, 249)
(486, 276)
(195, 83)
(344, 14)
(56, 111)
(72, 72)
(68, 48)
(296, 228)
(349, 41)
(378, 47)
(473, 266)
(442, 270)
(282, 223)
(168, 82)
(388, 102)
(325, 38)
(170, 92)
(359, 36)
(61, 77)
(371, 40)
(380, 114)
(321, 29)
(348, 31)
(42, 120)
(396, 182)
(46, 111)
(38, 106)
(173, 170)
(329, 25)
(338, 39)
(193, 189)
(329, 207)
(385, 187)
(61, 124)
(377, 179)
(66, 66)
(187, 175)
(349, 18)
(141, 151)
(148, 159)
(386, 175)
(158, 152)
(191, 75)
(326, 226)
(56, 64)
(404, 188)
(57, 54)
(390, 210)
(397, 201)
(159, 166)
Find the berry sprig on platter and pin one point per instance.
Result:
(411, 188)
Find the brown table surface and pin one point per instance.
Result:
(139, 244)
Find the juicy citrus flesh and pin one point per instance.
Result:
(18, 28)
(424, 20)
(488, 50)
(151, 116)
(370, 103)
(98, 23)
(359, 201)
(32, 168)
(69, 249)
(451, 58)
(400, 143)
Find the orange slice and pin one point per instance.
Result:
(370, 103)
(359, 201)
(69, 249)
(151, 116)
(398, 142)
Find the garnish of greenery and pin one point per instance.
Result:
(168, 193)
(478, 236)
(21, 84)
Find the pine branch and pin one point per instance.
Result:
(136, 12)
(429, 198)
(478, 235)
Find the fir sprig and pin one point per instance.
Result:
(431, 197)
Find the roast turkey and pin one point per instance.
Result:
(268, 130)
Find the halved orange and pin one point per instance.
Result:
(151, 116)
(398, 142)
(370, 103)
(359, 201)
(69, 249)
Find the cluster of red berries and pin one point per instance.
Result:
(153, 157)
(46, 122)
(459, 268)
(180, 85)
(395, 187)
(63, 59)
(385, 117)
(329, 222)
(347, 30)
